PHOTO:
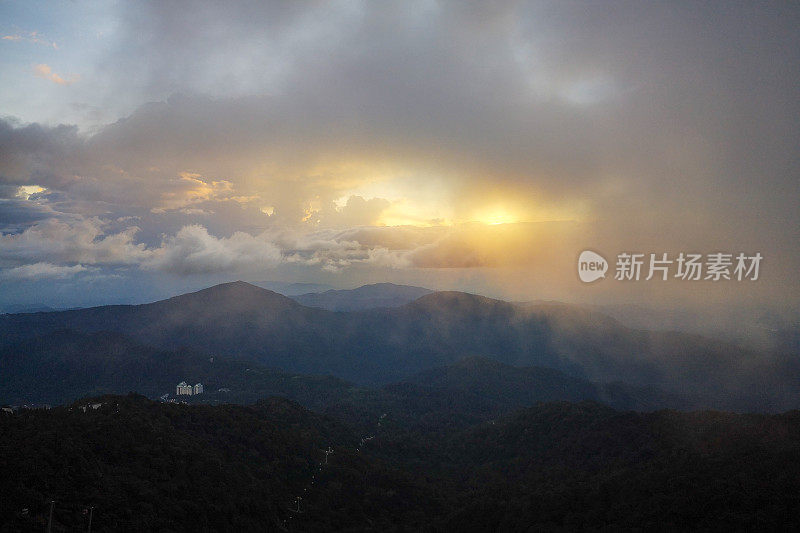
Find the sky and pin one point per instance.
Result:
(150, 148)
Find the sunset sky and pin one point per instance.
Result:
(150, 148)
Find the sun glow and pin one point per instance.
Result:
(495, 216)
(424, 200)
(26, 191)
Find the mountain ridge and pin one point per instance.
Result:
(379, 346)
(372, 296)
(64, 365)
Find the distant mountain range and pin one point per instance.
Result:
(33, 308)
(760, 329)
(450, 412)
(379, 346)
(379, 295)
(293, 289)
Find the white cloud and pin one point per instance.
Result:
(26, 191)
(46, 71)
(30, 37)
(76, 241)
(194, 251)
(36, 271)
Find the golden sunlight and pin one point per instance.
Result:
(494, 216)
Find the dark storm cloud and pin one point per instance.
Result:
(668, 124)
(32, 153)
(681, 103)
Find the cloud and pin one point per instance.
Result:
(190, 188)
(35, 154)
(37, 271)
(302, 128)
(30, 37)
(532, 105)
(193, 251)
(45, 71)
(78, 241)
(26, 191)
(356, 211)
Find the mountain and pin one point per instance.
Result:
(513, 387)
(756, 328)
(292, 289)
(476, 390)
(583, 466)
(366, 297)
(65, 365)
(379, 346)
(235, 319)
(13, 309)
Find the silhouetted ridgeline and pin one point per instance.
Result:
(376, 296)
(65, 365)
(242, 321)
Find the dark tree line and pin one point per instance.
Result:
(147, 466)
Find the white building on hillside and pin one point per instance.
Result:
(184, 389)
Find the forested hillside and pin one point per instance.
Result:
(146, 466)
